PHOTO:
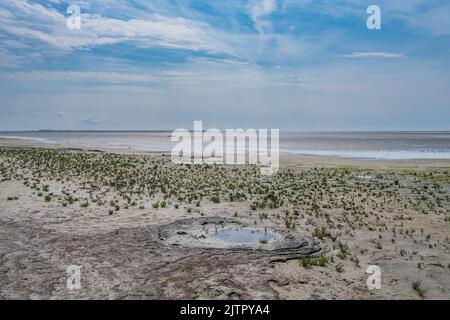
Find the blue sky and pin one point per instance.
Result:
(288, 64)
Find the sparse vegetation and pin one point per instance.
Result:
(333, 204)
(417, 286)
(215, 198)
(307, 262)
(84, 204)
(320, 233)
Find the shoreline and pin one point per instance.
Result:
(286, 158)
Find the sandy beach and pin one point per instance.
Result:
(102, 209)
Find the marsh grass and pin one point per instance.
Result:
(392, 199)
(343, 250)
(339, 268)
(263, 216)
(355, 260)
(321, 233)
(378, 245)
(417, 286)
(84, 204)
(215, 198)
(308, 262)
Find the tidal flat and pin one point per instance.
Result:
(102, 210)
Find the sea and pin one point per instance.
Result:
(366, 145)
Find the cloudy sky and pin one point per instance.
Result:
(288, 64)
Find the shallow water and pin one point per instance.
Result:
(242, 235)
(370, 145)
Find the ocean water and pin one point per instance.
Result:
(368, 145)
(371, 145)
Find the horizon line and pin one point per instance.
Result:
(171, 130)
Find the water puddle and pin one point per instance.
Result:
(242, 235)
(225, 233)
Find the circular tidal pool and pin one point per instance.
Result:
(225, 233)
(242, 235)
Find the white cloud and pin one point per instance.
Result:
(37, 23)
(374, 54)
(259, 11)
(262, 8)
(110, 77)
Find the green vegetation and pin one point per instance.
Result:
(215, 198)
(333, 204)
(378, 245)
(132, 178)
(339, 268)
(263, 216)
(320, 233)
(417, 286)
(343, 250)
(307, 262)
(84, 204)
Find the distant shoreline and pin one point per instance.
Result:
(281, 131)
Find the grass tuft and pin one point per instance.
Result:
(308, 262)
(417, 286)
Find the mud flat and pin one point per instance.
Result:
(136, 226)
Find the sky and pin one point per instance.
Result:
(287, 64)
